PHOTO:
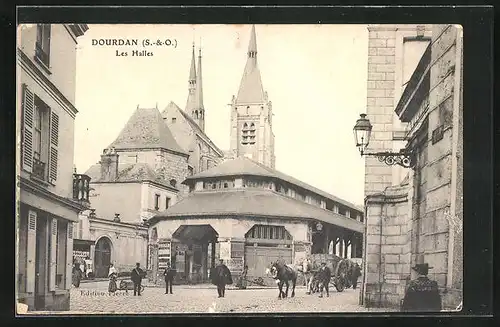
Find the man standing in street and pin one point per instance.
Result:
(422, 294)
(169, 274)
(324, 276)
(136, 277)
(221, 277)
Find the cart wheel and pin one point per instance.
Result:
(339, 285)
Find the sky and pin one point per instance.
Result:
(315, 76)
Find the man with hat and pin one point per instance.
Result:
(136, 277)
(221, 277)
(324, 276)
(422, 294)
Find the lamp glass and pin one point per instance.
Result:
(362, 132)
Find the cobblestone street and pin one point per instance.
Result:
(93, 298)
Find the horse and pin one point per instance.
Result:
(283, 274)
(308, 269)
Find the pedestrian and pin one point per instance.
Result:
(221, 277)
(242, 283)
(136, 276)
(76, 274)
(169, 274)
(355, 275)
(112, 275)
(422, 294)
(324, 276)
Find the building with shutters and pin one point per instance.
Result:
(50, 194)
(249, 214)
(415, 102)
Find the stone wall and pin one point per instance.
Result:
(387, 262)
(380, 103)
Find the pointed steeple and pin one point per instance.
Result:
(199, 82)
(252, 45)
(191, 99)
(199, 111)
(192, 72)
(251, 89)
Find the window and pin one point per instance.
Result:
(413, 49)
(40, 139)
(173, 183)
(42, 50)
(174, 120)
(269, 232)
(225, 185)
(248, 134)
(167, 202)
(157, 201)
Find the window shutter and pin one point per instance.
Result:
(31, 252)
(54, 142)
(28, 111)
(53, 255)
(69, 255)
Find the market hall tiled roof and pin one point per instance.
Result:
(146, 130)
(243, 166)
(253, 202)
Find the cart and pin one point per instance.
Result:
(339, 268)
(126, 285)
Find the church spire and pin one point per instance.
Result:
(191, 100)
(251, 90)
(192, 72)
(252, 45)
(199, 83)
(199, 114)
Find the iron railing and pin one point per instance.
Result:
(38, 169)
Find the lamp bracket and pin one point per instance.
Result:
(402, 158)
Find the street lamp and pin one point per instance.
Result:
(362, 132)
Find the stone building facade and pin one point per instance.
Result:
(139, 175)
(420, 217)
(110, 240)
(49, 194)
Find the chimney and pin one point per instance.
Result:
(109, 165)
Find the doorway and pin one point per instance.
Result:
(102, 257)
(41, 258)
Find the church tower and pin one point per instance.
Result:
(194, 105)
(251, 114)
